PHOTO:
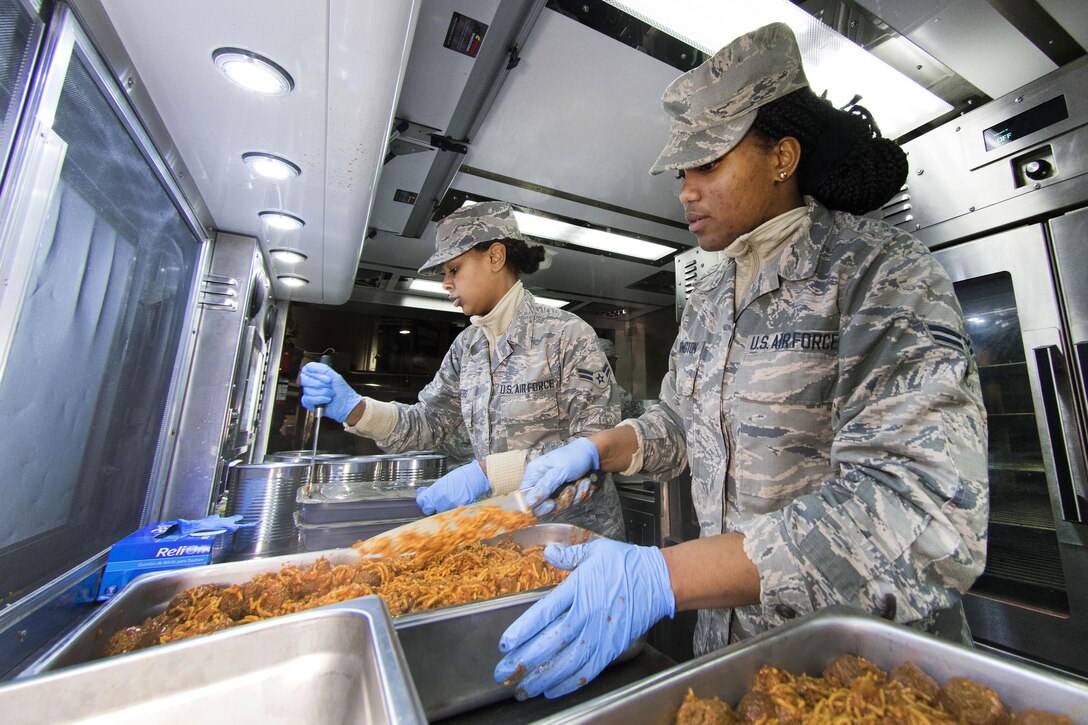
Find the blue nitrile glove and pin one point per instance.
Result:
(321, 385)
(459, 487)
(548, 472)
(615, 593)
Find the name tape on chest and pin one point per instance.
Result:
(534, 386)
(803, 340)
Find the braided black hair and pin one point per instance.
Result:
(845, 162)
(524, 258)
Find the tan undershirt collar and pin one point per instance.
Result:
(752, 251)
(496, 322)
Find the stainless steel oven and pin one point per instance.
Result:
(1032, 599)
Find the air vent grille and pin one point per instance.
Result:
(899, 210)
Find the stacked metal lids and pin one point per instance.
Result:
(265, 493)
(355, 498)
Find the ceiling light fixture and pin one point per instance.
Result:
(288, 256)
(538, 226)
(550, 302)
(253, 72)
(282, 220)
(427, 285)
(270, 166)
(292, 280)
(431, 287)
(405, 331)
(831, 61)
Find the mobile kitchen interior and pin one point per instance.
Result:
(159, 292)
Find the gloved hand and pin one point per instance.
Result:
(548, 472)
(459, 487)
(615, 593)
(321, 385)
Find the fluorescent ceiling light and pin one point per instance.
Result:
(292, 280)
(832, 62)
(428, 286)
(271, 166)
(554, 229)
(282, 220)
(253, 72)
(288, 256)
(405, 331)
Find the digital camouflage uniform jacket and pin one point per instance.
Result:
(837, 422)
(548, 383)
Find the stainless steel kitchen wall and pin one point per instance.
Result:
(98, 264)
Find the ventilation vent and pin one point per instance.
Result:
(662, 282)
(899, 211)
(371, 278)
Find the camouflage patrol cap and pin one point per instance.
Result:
(490, 221)
(711, 107)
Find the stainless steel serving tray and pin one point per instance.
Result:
(451, 652)
(808, 645)
(336, 664)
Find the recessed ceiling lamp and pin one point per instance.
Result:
(405, 331)
(292, 280)
(288, 256)
(538, 226)
(832, 62)
(270, 166)
(253, 72)
(431, 287)
(282, 220)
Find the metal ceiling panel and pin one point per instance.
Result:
(581, 114)
(347, 59)
(970, 37)
(433, 83)
(1071, 15)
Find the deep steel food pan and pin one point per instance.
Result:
(336, 664)
(451, 652)
(330, 507)
(807, 646)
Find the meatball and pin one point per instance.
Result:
(911, 675)
(846, 668)
(232, 603)
(697, 711)
(972, 702)
(131, 639)
(368, 576)
(756, 707)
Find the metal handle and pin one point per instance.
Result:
(1052, 383)
(319, 411)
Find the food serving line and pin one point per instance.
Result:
(354, 662)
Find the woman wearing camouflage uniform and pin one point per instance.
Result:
(822, 391)
(523, 379)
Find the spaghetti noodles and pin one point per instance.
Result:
(442, 570)
(854, 690)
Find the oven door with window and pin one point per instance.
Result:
(1032, 599)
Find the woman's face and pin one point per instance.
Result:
(472, 281)
(732, 195)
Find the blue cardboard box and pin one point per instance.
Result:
(162, 546)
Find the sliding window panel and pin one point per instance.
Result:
(107, 268)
